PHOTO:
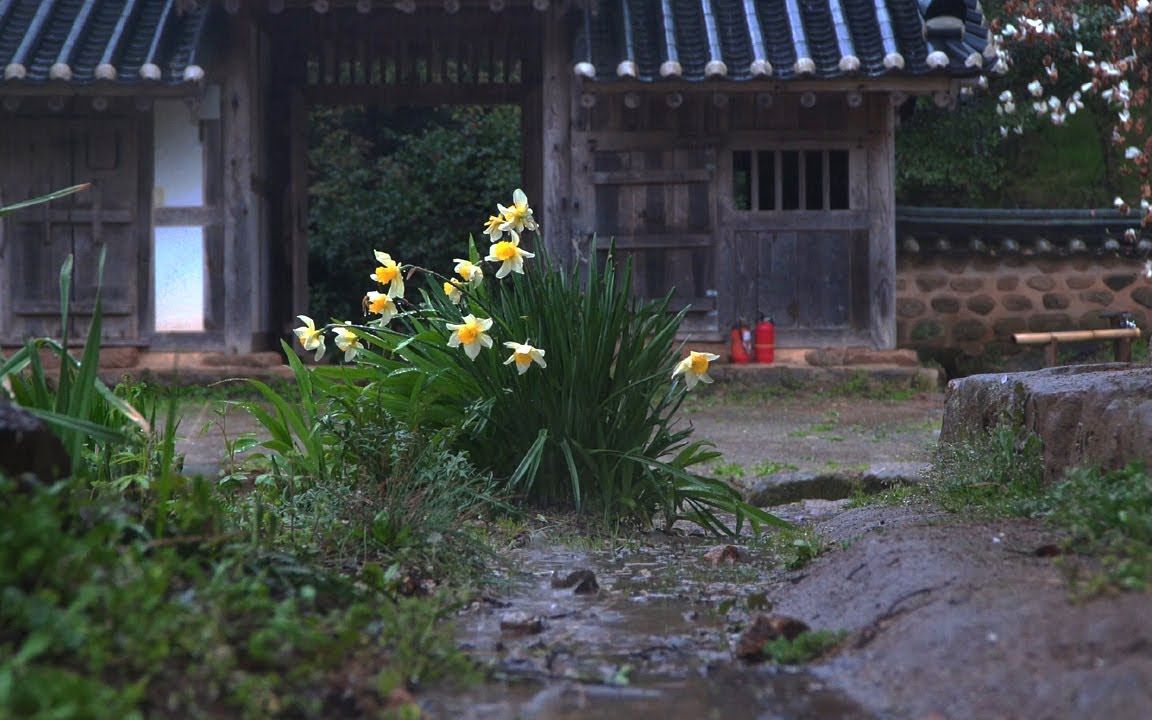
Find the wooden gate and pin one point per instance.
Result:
(44, 153)
(656, 205)
(794, 244)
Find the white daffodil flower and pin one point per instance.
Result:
(310, 337)
(518, 216)
(378, 303)
(694, 368)
(347, 341)
(473, 274)
(524, 355)
(509, 254)
(389, 273)
(472, 334)
(452, 290)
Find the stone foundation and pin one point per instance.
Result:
(974, 304)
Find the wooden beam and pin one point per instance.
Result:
(431, 94)
(241, 212)
(881, 148)
(557, 133)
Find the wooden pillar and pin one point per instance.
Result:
(298, 202)
(556, 59)
(882, 227)
(241, 213)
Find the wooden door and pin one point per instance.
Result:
(43, 153)
(656, 205)
(794, 243)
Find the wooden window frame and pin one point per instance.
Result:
(854, 157)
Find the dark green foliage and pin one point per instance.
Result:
(409, 182)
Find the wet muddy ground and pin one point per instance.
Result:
(942, 617)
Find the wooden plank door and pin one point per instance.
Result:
(656, 206)
(813, 283)
(43, 153)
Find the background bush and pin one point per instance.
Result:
(414, 182)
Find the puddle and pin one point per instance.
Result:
(653, 642)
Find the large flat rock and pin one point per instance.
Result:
(1087, 415)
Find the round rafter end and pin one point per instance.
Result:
(15, 71)
(105, 71)
(937, 60)
(760, 68)
(849, 63)
(671, 68)
(193, 73)
(60, 71)
(585, 70)
(715, 68)
(627, 69)
(805, 66)
(894, 61)
(150, 71)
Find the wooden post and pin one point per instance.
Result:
(882, 228)
(557, 133)
(241, 217)
(298, 201)
(1050, 353)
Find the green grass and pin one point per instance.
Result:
(771, 467)
(804, 648)
(792, 548)
(1106, 514)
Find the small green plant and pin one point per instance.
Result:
(1000, 473)
(793, 547)
(771, 467)
(804, 648)
(729, 471)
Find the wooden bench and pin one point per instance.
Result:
(1121, 335)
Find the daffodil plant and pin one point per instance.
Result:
(591, 426)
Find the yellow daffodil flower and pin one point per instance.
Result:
(452, 290)
(518, 217)
(694, 368)
(492, 228)
(509, 253)
(378, 303)
(347, 341)
(310, 337)
(389, 273)
(473, 274)
(472, 334)
(524, 355)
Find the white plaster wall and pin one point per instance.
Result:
(178, 267)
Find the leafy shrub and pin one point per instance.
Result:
(804, 648)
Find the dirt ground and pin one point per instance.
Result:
(810, 431)
(947, 618)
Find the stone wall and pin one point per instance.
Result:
(973, 303)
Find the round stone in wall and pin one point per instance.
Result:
(1043, 283)
(981, 304)
(1016, 303)
(1007, 284)
(1056, 301)
(966, 284)
(1049, 322)
(1006, 327)
(969, 330)
(1143, 295)
(910, 307)
(1097, 297)
(946, 305)
(928, 283)
(1119, 282)
(1080, 282)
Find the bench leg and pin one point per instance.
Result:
(1050, 354)
(1123, 350)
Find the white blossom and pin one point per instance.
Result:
(1036, 88)
(1132, 153)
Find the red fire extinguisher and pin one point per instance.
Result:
(765, 341)
(738, 344)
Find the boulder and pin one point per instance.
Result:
(1086, 415)
(27, 445)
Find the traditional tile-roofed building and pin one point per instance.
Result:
(740, 151)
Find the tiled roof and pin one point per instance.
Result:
(651, 40)
(86, 41)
